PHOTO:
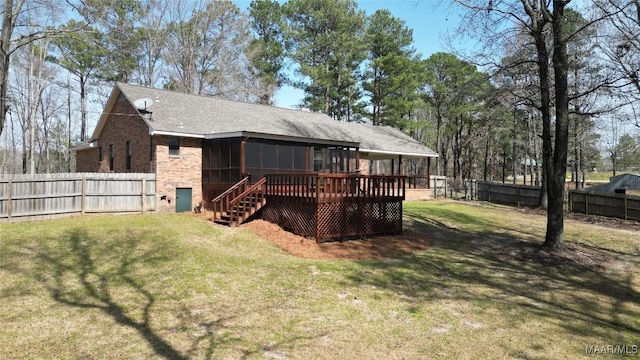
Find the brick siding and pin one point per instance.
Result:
(172, 172)
(182, 171)
(87, 160)
(123, 124)
(364, 164)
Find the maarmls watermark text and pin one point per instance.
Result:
(612, 349)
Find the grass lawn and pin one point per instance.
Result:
(177, 287)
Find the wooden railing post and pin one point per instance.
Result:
(221, 202)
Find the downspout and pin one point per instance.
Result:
(151, 152)
(428, 173)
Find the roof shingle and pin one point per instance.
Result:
(206, 116)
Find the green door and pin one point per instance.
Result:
(183, 199)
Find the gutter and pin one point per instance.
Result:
(383, 152)
(250, 134)
(177, 134)
(84, 146)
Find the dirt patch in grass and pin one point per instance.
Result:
(378, 247)
(610, 222)
(411, 241)
(574, 257)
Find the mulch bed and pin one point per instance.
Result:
(378, 247)
(411, 242)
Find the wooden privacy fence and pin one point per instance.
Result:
(508, 194)
(620, 206)
(438, 184)
(44, 196)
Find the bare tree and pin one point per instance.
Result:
(22, 23)
(155, 27)
(620, 43)
(541, 19)
(52, 138)
(33, 75)
(208, 53)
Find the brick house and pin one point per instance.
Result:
(200, 146)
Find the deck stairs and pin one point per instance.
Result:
(238, 203)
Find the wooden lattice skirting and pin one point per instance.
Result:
(334, 220)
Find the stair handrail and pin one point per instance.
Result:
(252, 190)
(219, 201)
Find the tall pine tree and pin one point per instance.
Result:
(327, 48)
(394, 73)
(267, 23)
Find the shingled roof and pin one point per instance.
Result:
(179, 114)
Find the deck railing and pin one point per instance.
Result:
(250, 197)
(222, 202)
(326, 187)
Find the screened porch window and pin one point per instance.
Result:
(221, 161)
(270, 157)
(334, 159)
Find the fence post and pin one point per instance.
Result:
(144, 195)
(569, 202)
(586, 203)
(9, 203)
(445, 187)
(434, 187)
(474, 189)
(84, 193)
(518, 196)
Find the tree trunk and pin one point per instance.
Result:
(438, 141)
(576, 152)
(554, 239)
(68, 157)
(504, 166)
(514, 148)
(578, 136)
(545, 97)
(5, 55)
(486, 159)
(582, 169)
(83, 108)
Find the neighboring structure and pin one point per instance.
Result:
(620, 184)
(199, 146)
(620, 198)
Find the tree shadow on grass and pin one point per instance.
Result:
(80, 271)
(77, 273)
(574, 290)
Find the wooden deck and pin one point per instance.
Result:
(323, 188)
(335, 206)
